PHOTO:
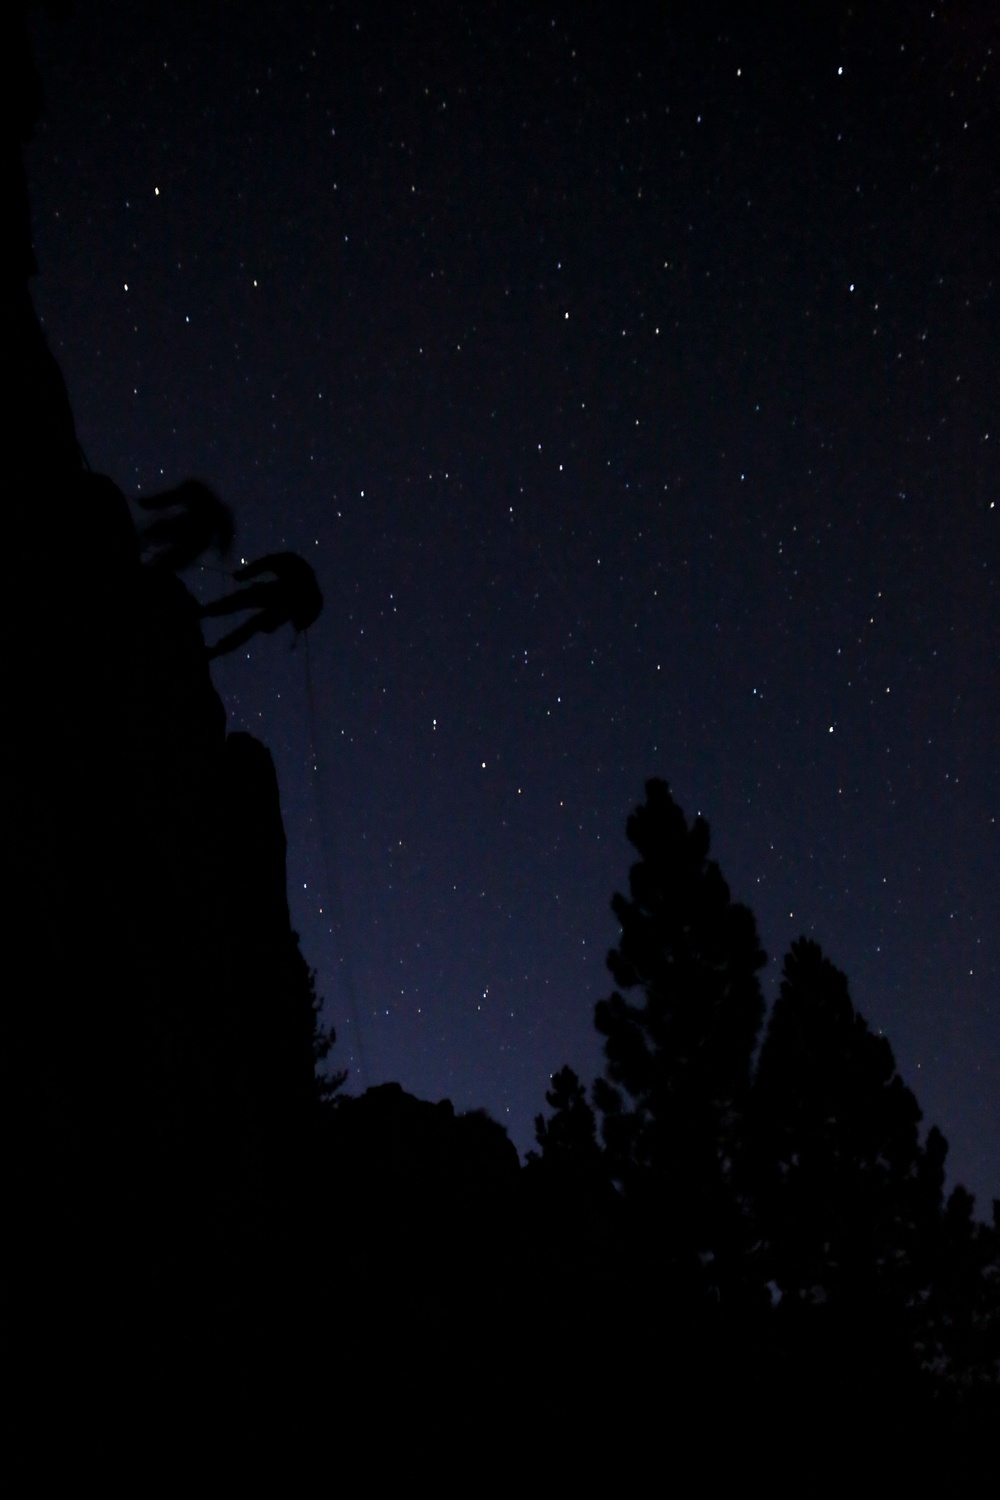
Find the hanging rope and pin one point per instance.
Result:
(334, 896)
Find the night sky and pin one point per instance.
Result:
(633, 389)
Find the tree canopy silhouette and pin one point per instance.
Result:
(797, 1192)
(679, 1058)
(842, 1180)
(568, 1139)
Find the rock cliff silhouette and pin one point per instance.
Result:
(163, 1022)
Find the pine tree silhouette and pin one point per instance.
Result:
(679, 1060)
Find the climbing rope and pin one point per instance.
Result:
(334, 894)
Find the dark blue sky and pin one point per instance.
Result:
(633, 390)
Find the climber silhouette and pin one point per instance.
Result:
(199, 520)
(292, 595)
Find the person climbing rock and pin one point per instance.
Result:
(291, 596)
(198, 520)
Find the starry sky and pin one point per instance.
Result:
(632, 386)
